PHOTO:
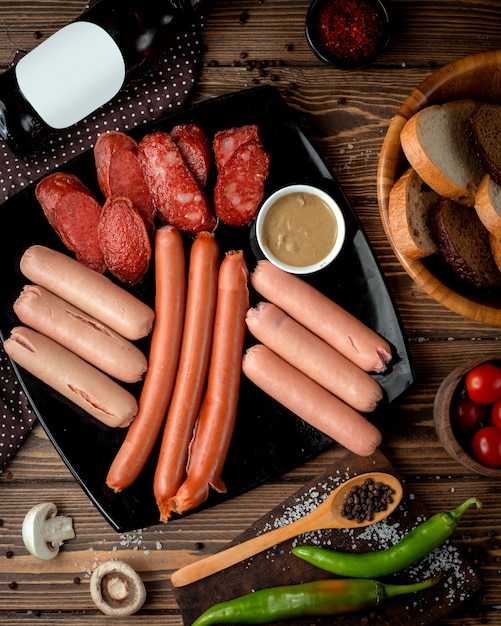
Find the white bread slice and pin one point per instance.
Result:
(438, 144)
(488, 205)
(409, 204)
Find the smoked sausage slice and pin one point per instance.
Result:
(194, 146)
(74, 213)
(177, 195)
(239, 187)
(124, 240)
(227, 141)
(119, 173)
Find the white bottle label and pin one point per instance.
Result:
(71, 74)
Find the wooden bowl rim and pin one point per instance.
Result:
(389, 168)
(441, 416)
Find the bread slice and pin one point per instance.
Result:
(486, 130)
(409, 204)
(488, 205)
(463, 242)
(438, 144)
(495, 244)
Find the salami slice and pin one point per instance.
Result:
(195, 149)
(227, 141)
(239, 187)
(124, 240)
(119, 173)
(107, 144)
(176, 193)
(74, 213)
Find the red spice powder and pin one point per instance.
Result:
(349, 30)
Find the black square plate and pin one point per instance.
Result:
(268, 440)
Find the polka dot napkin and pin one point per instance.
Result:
(17, 417)
(163, 89)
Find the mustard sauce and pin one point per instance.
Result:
(299, 229)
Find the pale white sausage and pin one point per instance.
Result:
(309, 401)
(89, 338)
(86, 386)
(88, 290)
(322, 316)
(313, 356)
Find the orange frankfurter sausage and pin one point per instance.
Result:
(88, 290)
(89, 338)
(313, 356)
(309, 401)
(192, 370)
(164, 354)
(216, 420)
(75, 379)
(322, 316)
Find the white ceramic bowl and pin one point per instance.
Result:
(338, 219)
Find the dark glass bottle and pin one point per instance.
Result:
(134, 32)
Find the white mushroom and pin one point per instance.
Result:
(44, 531)
(116, 589)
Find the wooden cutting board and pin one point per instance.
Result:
(278, 566)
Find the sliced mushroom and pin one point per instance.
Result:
(116, 589)
(44, 531)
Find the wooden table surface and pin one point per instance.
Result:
(346, 114)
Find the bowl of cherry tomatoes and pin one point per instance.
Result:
(467, 415)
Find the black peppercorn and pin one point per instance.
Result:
(362, 501)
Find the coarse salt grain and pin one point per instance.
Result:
(379, 536)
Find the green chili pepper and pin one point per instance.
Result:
(414, 546)
(322, 597)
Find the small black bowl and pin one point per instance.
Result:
(347, 33)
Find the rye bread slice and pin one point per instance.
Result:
(495, 244)
(463, 242)
(486, 130)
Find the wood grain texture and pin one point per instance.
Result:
(346, 114)
(476, 77)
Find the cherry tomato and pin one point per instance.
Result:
(483, 383)
(486, 446)
(466, 415)
(496, 414)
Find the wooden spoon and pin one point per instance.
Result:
(326, 515)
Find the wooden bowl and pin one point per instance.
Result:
(478, 77)
(441, 416)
